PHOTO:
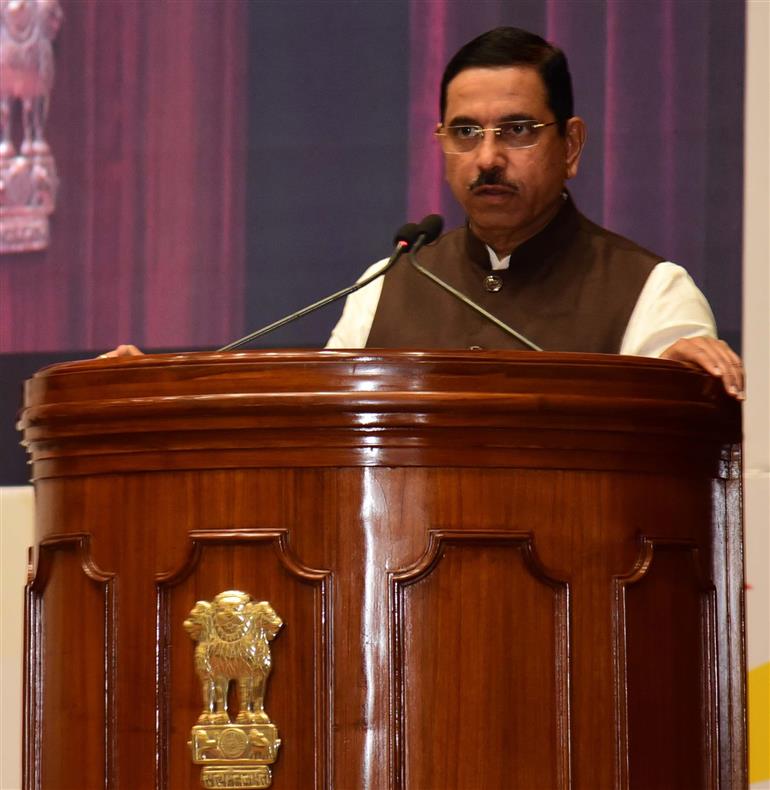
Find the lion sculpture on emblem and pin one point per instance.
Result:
(27, 28)
(28, 178)
(233, 633)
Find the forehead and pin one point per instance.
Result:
(487, 94)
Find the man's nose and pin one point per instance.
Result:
(489, 151)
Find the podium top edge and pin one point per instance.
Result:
(363, 356)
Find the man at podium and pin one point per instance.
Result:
(526, 255)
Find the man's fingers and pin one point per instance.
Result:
(728, 364)
(125, 350)
(735, 367)
(712, 355)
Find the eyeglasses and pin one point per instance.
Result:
(512, 134)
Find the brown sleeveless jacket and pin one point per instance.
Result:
(572, 287)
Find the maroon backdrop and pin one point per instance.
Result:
(147, 128)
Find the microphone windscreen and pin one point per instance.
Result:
(431, 226)
(407, 233)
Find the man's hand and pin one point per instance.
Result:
(712, 355)
(122, 351)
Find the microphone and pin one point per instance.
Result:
(429, 230)
(408, 237)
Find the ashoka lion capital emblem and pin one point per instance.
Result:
(233, 635)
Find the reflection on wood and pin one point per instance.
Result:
(70, 642)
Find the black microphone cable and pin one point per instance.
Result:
(430, 229)
(407, 237)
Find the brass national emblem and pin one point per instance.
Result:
(232, 635)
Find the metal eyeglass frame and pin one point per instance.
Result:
(478, 134)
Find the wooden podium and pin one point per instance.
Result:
(493, 570)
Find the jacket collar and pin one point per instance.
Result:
(555, 236)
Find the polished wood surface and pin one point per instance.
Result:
(495, 570)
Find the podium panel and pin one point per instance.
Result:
(386, 570)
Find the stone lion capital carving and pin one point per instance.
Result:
(232, 635)
(28, 177)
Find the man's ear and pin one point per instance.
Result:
(438, 128)
(575, 136)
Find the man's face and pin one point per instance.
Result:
(509, 194)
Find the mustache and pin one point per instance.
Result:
(492, 178)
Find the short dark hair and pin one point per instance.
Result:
(512, 46)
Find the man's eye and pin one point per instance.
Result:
(464, 132)
(515, 129)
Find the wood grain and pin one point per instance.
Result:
(495, 570)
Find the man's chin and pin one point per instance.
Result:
(495, 215)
